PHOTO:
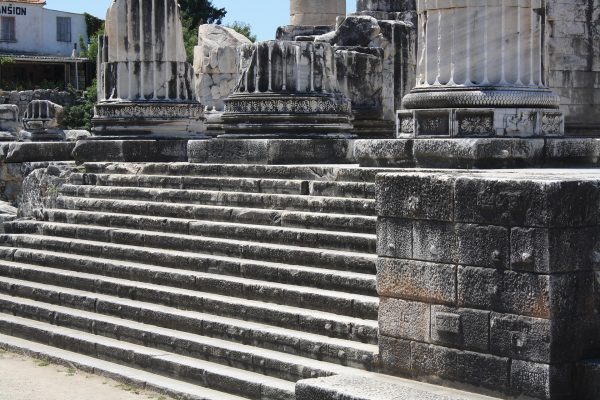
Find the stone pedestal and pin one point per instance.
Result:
(316, 12)
(480, 72)
(490, 278)
(144, 80)
(41, 121)
(288, 88)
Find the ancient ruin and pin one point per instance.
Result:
(144, 80)
(400, 203)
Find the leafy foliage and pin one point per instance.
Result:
(79, 115)
(93, 24)
(193, 14)
(243, 29)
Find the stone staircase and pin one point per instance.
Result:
(203, 281)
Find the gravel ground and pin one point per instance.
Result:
(25, 378)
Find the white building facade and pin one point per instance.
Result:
(43, 43)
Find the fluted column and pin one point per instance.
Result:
(288, 88)
(316, 12)
(484, 54)
(144, 79)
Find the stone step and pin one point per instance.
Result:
(283, 218)
(340, 351)
(339, 173)
(334, 259)
(130, 376)
(203, 373)
(290, 236)
(231, 184)
(353, 305)
(320, 204)
(43, 246)
(313, 321)
(268, 362)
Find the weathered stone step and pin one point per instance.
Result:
(319, 322)
(321, 204)
(341, 351)
(344, 281)
(268, 362)
(339, 173)
(203, 373)
(259, 233)
(334, 259)
(131, 376)
(292, 295)
(283, 218)
(231, 184)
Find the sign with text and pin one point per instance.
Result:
(13, 10)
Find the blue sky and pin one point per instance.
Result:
(263, 15)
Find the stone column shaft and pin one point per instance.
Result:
(316, 12)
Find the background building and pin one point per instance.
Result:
(39, 47)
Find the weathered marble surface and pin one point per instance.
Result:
(288, 88)
(217, 61)
(316, 12)
(144, 79)
(476, 56)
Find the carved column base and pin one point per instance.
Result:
(276, 114)
(149, 119)
(466, 97)
(480, 122)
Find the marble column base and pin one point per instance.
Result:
(480, 122)
(149, 119)
(277, 114)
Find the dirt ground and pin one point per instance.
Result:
(25, 378)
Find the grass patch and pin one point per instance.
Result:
(43, 362)
(128, 388)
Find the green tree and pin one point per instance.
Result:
(193, 14)
(243, 29)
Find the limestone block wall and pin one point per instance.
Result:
(316, 12)
(573, 61)
(488, 278)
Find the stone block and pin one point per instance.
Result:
(482, 245)
(434, 241)
(478, 152)
(395, 354)
(527, 294)
(131, 150)
(516, 199)
(40, 151)
(555, 250)
(542, 381)
(416, 195)
(460, 328)
(384, 153)
(431, 362)
(404, 319)
(377, 387)
(394, 238)
(417, 281)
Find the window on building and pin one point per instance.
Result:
(7, 29)
(63, 29)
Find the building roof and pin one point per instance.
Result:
(25, 1)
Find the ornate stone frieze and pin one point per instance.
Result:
(479, 122)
